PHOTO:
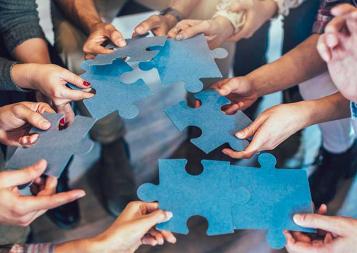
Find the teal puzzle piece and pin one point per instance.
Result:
(232, 197)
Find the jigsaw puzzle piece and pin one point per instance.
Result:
(186, 195)
(111, 93)
(138, 49)
(275, 195)
(186, 61)
(217, 128)
(54, 145)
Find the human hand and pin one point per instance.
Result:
(159, 25)
(16, 209)
(338, 234)
(338, 48)
(271, 128)
(51, 81)
(15, 119)
(217, 30)
(257, 13)
(100, 34)
(240, 90)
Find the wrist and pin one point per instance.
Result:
(21, 75)
(171, 20)
(224, 24)
(308, 113)
(83, 246)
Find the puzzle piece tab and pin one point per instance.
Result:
(232, 197)
(111, 94)
(186, 61)
(217, 127)
(139, 49)
(54, 145)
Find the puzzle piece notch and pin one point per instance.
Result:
(217, 127)
(137, 49)
(111, 93)
(54, 145)
(187, 61)
(254, 198)
(192, 191)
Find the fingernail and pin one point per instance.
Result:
(240, 135)
(179, 37)
(62, 122)
(45, 124)
(169, 215)
(81, 194)
(297, 218)
(85, 83)
(122, 43)
(139, 30)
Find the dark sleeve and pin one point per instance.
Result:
(324, 15)
(19, 21)
(6, 82)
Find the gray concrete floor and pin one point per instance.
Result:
(95, 219)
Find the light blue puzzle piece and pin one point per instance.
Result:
(275, 196)
(186, 195)
(138, 49)
(111, 93)
(232, 197)
(54, 145)
(186, 61)
(217, 127)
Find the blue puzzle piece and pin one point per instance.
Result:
(217, 127)
(111, 93)
(185, 61)
(186, 195)
(138, 49)
(232, 197)
(54, 145)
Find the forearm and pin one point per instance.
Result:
(185, 7)
(325, 109)
(32, 51)
(298, 65)
(82, 13)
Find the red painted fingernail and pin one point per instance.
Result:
(62, 122)
(85, 83)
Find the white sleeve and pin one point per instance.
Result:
(286, 5)
(236, 18)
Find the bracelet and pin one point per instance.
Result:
(173, 12)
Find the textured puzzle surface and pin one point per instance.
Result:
(141, 49)
(186, 61)
(232, 197)
(111, 93)
(54, 145)
(217, 127)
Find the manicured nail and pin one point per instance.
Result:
(62, 122)
(169, 215)
(81, 194)
(45, 124)
(85, 83)
(240, 135)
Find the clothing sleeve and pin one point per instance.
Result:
(286, 5)
(28, 248)
(236, 18)
(324, 15)
(6, 82)
(19, 21)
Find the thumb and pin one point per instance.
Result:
(225, 87)
(23, 176)
(24, 112)
(148, 221)
(250, 130)
(74, 79)
(336, 225)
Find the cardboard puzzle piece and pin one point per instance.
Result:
(54, 145)
(139, 49)
(217, 127)
(111, 94)
(232, 197)
(186, 61)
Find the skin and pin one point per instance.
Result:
(21, 210)
(133, 228)
(220, 29)
(50, 80)
(338, 48)
(15, 119)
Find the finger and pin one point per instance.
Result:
(336, 25)
(22, 176)
(150, 220)
(32, 117)
(117, 38)
(289, 238)
(248, 153)
(332, 40)
(50, 187)
(74, 79)
(147, 25)
(149, 240)
(227, 86)
(241, 6)
(94, 49)
(181, 26)
(38, 203)
(74, 95)
(202, 27)
(250, 130)
(342, 9)
(28, 140)
(335, 225)
(352, 23)
(169, 237)
(301, 237)
(322, 210)
(158, 236)
(323, 49)
(68, 113)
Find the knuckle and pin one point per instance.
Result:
(18, 109)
